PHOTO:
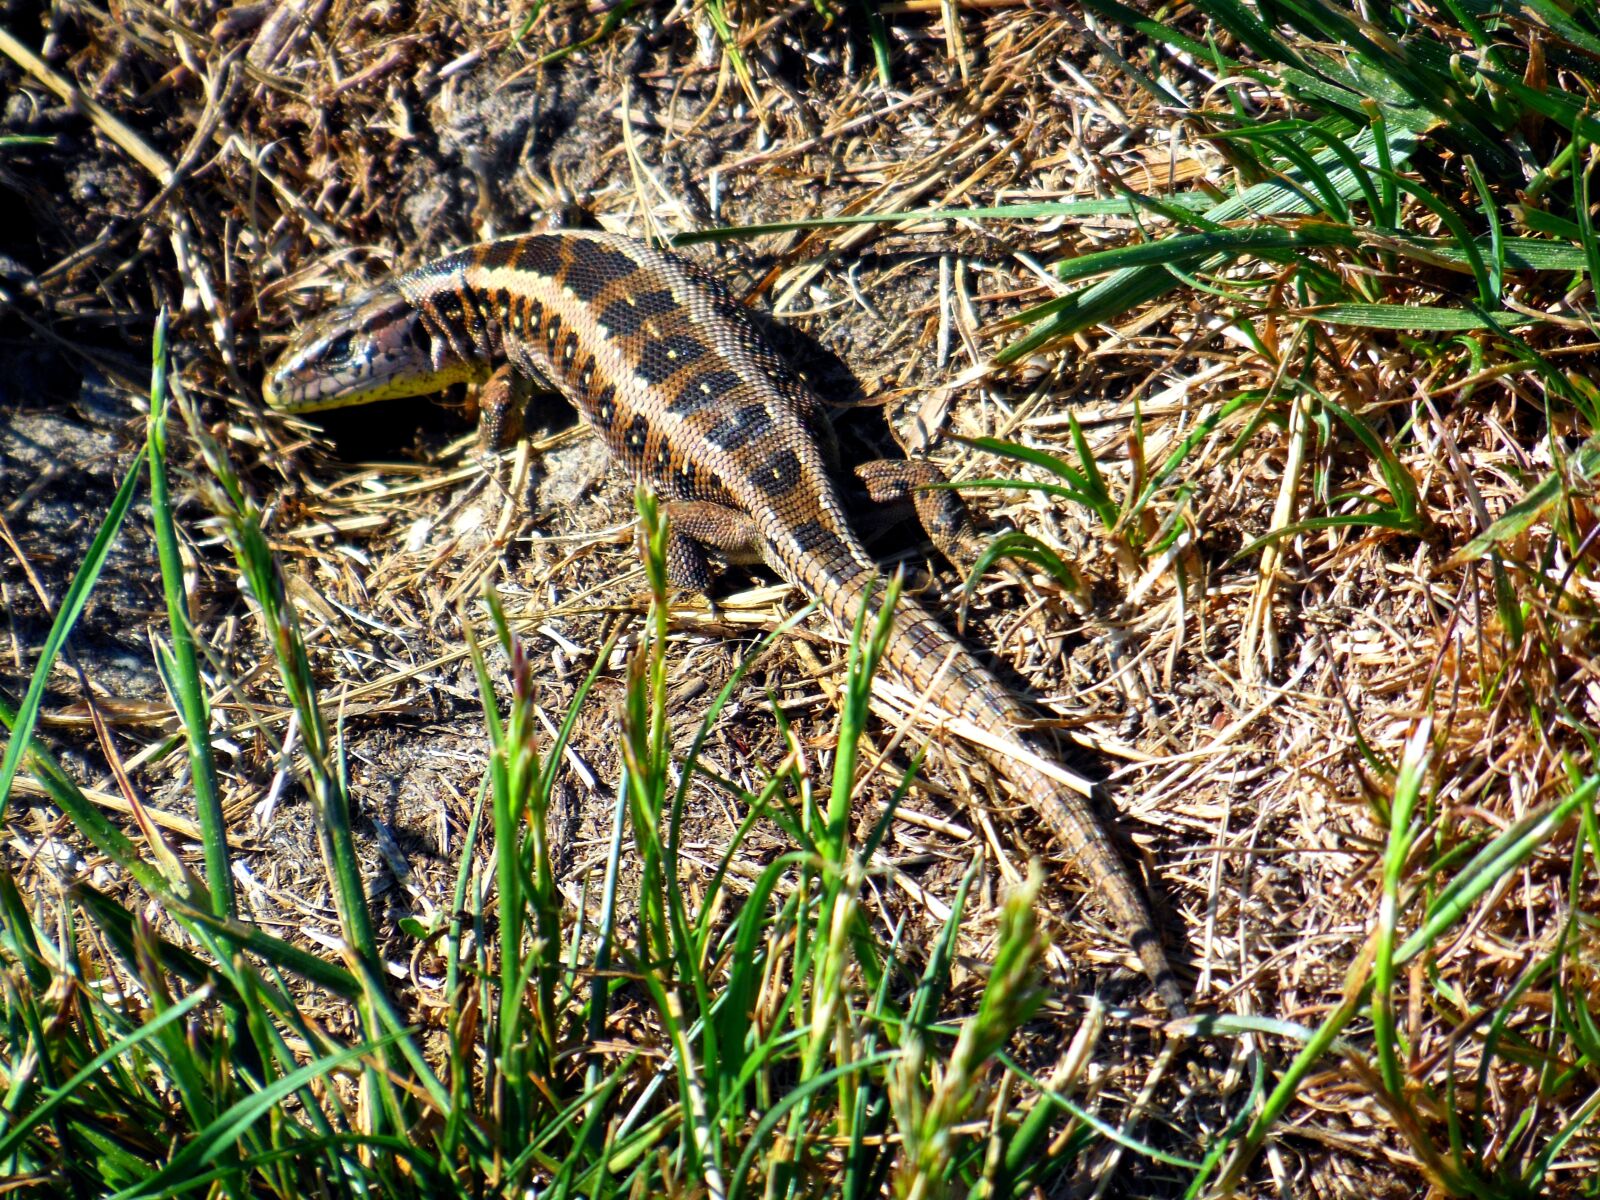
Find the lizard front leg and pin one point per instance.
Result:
(503, 401)
(692, 525)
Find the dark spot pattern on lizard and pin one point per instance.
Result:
(538, 254)
(638, 435)
(745, 424)
(593, 268)
(813, 537)
(780, 474)
(704, 391)
(663, 358)
(447, 305)
(625, 317)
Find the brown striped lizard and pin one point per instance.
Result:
(676, 377)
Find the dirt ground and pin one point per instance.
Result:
(306, 155)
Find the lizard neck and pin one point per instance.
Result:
(463, 324)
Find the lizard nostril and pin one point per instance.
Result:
(272, 387)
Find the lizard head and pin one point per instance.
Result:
(374, 348)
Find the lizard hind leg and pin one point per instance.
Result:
(692, 526)
(941, 511)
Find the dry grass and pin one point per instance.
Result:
(1249, 709)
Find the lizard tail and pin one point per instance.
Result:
(1072, 820)
(935, 664)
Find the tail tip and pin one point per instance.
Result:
(1172, 997)
(1147, 945)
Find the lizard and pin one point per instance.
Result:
(691, 398)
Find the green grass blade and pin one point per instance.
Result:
(1127, 289)
(1502, 855)
(1583, 466)
(1533, 1178)
(1583, 227)
(67, 614)
(801, 1094)
(1407, 790)
(1019, 545)
(1253, 32)
(878, 35)
(238, 1117)
(85, 817)
(1495, 263)
(189, 696)
(1416, 318)
(153, 1028)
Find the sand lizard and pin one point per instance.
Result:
(678, 380)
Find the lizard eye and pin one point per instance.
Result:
(339, 349)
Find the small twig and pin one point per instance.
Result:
(102, 118)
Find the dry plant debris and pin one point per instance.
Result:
(1250, 703)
